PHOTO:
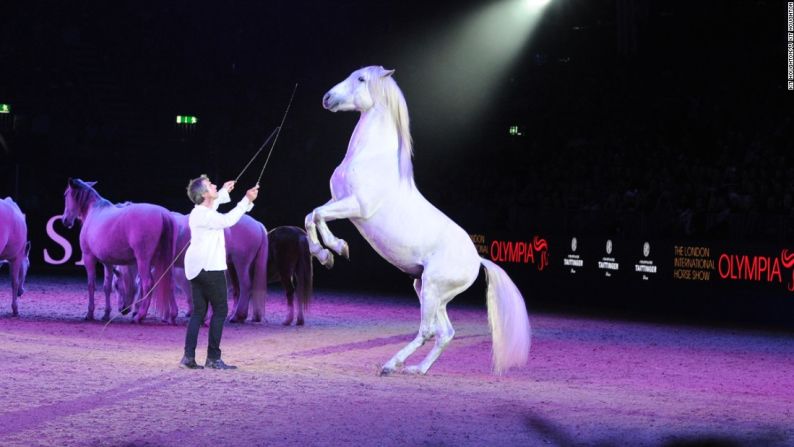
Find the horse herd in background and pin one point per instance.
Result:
(141, 248)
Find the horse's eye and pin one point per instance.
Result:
(361, 79)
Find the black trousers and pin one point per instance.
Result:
(207, 287)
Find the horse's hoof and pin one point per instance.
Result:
(89, 318)
(345, 251)
(299, 322)
(236, 320)
(413, 370)
(386, 371)
(329, 260)
(106, 317)
(287, 322)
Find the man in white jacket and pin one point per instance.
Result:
(205, 264)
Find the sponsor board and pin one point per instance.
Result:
(645, 266)
(573, 261)
(608, 264)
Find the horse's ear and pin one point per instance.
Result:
(91, 184)
(385, 73)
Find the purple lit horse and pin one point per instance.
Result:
(139, 233)
(14, 247)
(246, 253)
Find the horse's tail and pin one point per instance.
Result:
(259, 283)
(304, 272)
(163, 258)
(508, 319)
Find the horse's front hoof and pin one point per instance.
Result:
(236, 320)
(106, 317)
(329, 260)
(287, 322)
(299, 322)
(345, 251)
(89, 317)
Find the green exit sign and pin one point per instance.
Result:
(515, 131)
(5, 108)
(186, 119)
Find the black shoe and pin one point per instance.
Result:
(217, 364)
(189, 363)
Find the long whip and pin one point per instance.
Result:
(257, 153)
(277, 133)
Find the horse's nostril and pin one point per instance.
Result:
(326, 98)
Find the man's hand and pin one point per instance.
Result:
(229, 186)
(252, 193)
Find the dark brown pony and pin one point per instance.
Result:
(290, 262)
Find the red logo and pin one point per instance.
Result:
(535, 252)
(756, 268)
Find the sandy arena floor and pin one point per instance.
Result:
(67, 382)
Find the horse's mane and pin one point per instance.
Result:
(384, 89)
(85, 196)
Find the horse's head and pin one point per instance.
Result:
(23, 272)
(354, 92)
(77, 192)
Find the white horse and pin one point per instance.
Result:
(375, 189)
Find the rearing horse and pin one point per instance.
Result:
(374, 188)
(138, 233)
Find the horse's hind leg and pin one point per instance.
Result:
(289, 288)
(145, 274)
(429, 308)
(244, 294)
(107, 286)
(444, 334)
(442, 285)
(299, 321)
(181, 281)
